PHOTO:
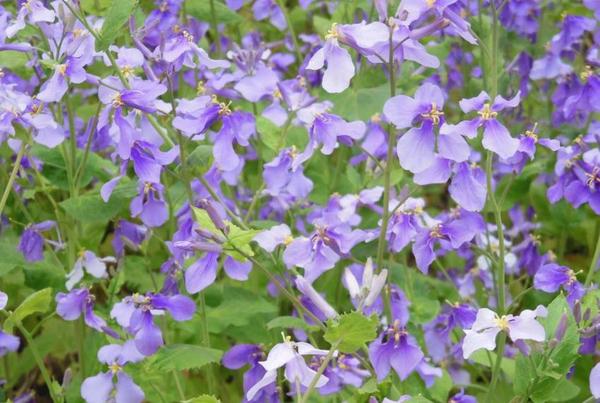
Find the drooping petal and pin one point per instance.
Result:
(497, 138)
(96, 389)
(201, 273)
(415, 148)
(127, 390)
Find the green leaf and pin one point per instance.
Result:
(441, 388)
(524, 375)
(180, 357)
(201, 9)
(551, 390)
(288, 322)
(201, 157)
(565, 353)
(238, 308)
(423, 308)
(91, 208)
(269, 132)
(38, 302)
(116, 17)
(203, 219)
(419, 399)
(353, 329)
(240, 239)
(202, 399)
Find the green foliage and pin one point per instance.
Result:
(183, 356)
(202, 10)
(38, 302)
(289, 322)
(353, 330)
(202, 399)
(91, 208)
(116, 17)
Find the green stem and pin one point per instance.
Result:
(387, 180)
(215, 27)
(38, 360)
(593, 263)
(497, 367)
(286, 14)
(320, 371)
(12, 177)
(206, 342)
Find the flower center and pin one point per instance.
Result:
(531, 133)
(333, 32)
(593, 178)
(117, 101)
(436, 232)
(430, 3)
(62, 69)
(114, 368)
(288, 240)
(487, 113)
(502, 322)
(434, 114)
(127, 70)
(586, 73)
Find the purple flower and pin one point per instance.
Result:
(318, 301)
(340, 68)
(365, 293)
(285, 175)
(90, 263)
(142, 95)
(136, 315)
(195, 116)
(396, 349)
(33, 11)
(8, 342)
(289, 354)
(251, 354)
(496, 137)
(327, 129)
(99, 388)
(149, 204)
(488, 324)
(31, 244)
(238, 127)
(550, 277)
(595, 381)
(77, 302)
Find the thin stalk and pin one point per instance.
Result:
(178, 386)
(593, 263)
(12, 177)
(286, 14)
(387, 180)
(38, 359)
(320, 371)
(215, 27)
(497, 366)
(206, 342)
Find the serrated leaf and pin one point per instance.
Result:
(116, 17)
(203, 219)
(179, 357)
(288, 322)
(353, 329)
(38, 302)
(239, 239)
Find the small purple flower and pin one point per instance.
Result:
(550, 277)
(88, 262)
(80, 301)
(317, 299)
(99, 388)
(251, 354)
(396, 349)
(31, 244)
(595, 381)
(136, 315)
(488, 324)
(327, 129)
(34, 12)
(365, 293)
(8, 342)
(340, 68)
(149, 204)
(496, 136)
(289, 354)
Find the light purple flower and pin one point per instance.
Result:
(80, 301)
(99, 388)
(290, 355)
(340, 68)
(90, 263)
(496, 136)
(31, 244)
(488, 324)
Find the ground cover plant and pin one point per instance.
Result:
(299, 201)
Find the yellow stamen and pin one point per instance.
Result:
(487, 113)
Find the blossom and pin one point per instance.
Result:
(136, 315)
(290, 355)
(99, 388)
(395, 348)
(8, 342)
(488, 324)
(595, 381)
(365, 294)
(340, 68)
(551, 276)
(31, 244)
(496, 136)
(88, 262)
(80, 301)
